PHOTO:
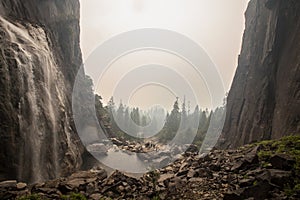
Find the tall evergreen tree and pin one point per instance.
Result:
(144, 121)
(183, 115)
(174, 118)
(111, 113)
(172, 123)
(135, 116)
(183, 109)
(120, 115)
(127, 119)
(111, 106)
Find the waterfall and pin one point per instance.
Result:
(42, 100)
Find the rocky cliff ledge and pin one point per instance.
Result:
(264, 100)
(39, 58)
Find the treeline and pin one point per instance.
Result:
(180, 123)
(126, 123)
(130, 123)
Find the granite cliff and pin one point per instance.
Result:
(39, 59)
(264, 100)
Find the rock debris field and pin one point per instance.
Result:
(266, 170)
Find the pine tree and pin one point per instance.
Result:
(174, 118)
(172, 123)
(127, 119)
(144, 121)
(183, 109)
(111, 113)
(184, 115)
(120, 115)
(135, 117)
(111, 106)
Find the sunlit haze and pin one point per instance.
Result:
(216, 25)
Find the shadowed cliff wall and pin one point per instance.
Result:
(264, 100)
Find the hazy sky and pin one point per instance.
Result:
(216, 25)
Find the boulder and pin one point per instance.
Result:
(116, 141)
(21, 186)
(275, 176)
(249, 160)
(282, 161)
(246, 182)
(191, 173)
(257, 192)
(232, 196)
(95, 196)
(8, 184)
(98, 149)
(82, 181)
(164, 177)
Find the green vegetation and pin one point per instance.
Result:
(188, 127)
(71, 196)
(30, 197)
(156, 198)
(245, 176)
(153, 175)
(74, 196)
(289, 145)
(265, 154)
(290, 191)
(255, 183)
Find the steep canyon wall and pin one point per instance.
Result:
(39, 59)
(264, 100)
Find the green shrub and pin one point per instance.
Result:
(289, 145)
(30, 197)
(74, 196)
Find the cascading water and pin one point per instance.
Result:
(42, 100)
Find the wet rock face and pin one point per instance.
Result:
(39, 58)
(264, 100)
(60, 20)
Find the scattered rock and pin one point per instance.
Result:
(282, 161)
(246, 182)
(249, 159)
(191, 173)
(21, 186)
(259, 191)
(8, 184)
(95, 196)
(165, 177)
(275, 176)
(191, 177)
(98, 149)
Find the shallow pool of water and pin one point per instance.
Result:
(122, 161)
